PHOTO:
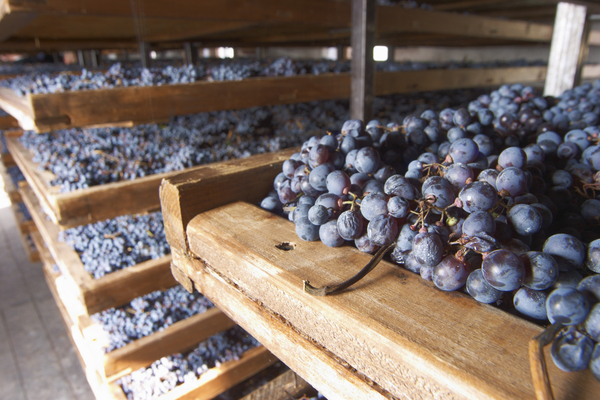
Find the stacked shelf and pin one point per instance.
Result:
(103, 370)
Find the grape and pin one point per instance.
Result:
(567, 306)
(398, 185)
(595, 362)
(480, 290)
(398, 207)
(590, 284)
(503, 270)
(439, 191)
(478, 196)
(512, 157)
(338, 183)
(531, 303)
(318, 177)
(329, 235)
(572, 350)
(306, 230)
(364, 244)
(382, 230)
(459, 175)
(367, 160)
(512, 180)
(592, 323)
(489, 176)
(541, 268)
(463, 150)
(568, 279)
(374, 204)
(318, 215)
(525, 219)
(479, 222)
(451, 273)
(567, 250)
(427, 248)
(350, 225)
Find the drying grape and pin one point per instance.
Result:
(567, 306)
(480, 290)
(572, 350)
(503, 270)
(451, 273)
(531, 303)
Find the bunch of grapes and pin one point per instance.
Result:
(171, 371)
(497, 199)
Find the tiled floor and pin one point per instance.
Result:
(37, 359)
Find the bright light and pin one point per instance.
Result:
(153, 55)
(380, 53)
(331, 53)
(225, 52)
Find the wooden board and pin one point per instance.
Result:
(396, 329)
(102, 369)
(9, 185)
(112, 290)
(286, 385)
(44, 112)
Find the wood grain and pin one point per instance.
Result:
(289, 384)
(114, 289)
(398, 330)
(323, 370)
(195, 191)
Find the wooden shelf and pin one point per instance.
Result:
(103, 369)
(9, 185)
(97, 203)
(133, 105)
(394, 329)
(112, 290)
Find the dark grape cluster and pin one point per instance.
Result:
(25, 211)
(119, 75)
(168, 372)
(118, 243)
(497, 199)
(148, 314)
(15, 175)
(3, 149)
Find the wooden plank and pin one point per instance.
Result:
(177, 338)
(153, 103)
(565, 49)
(13, 22)
(112, 290)
(362, 92)
(285, 386)
(425, 21)
(325, 12)
(189, 193)
(330, 375)
(417, 81)
(19, 107)
(394, 328)
(9, 185)
(8, 122)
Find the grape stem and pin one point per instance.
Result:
(326, 290)
(537, 362)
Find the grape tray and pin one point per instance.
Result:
(394, 335)
(97, 203)
(112, 290)
(134, 105)
(102, 370)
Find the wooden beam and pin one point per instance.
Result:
(285, 386)
(567, 42)
(330, 375)
(215, 185)
(190, 53)
(363, 65)
(324, 12)
(144, 49)
(409, 338)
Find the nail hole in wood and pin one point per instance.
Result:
(286, 246)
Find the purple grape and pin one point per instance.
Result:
(451, 273)
(531, 303)
(567, 306)
(478, 196)
(572, 351)
(512, 180)
(525, 219)
(480, 290)
(367, 160)
(567, 250)
(350, 225)
(428, 249)
(382, 230)
(542, 270)
(374, 204)
(329, 235)
(503, 270)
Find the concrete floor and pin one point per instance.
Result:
(37, 359)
